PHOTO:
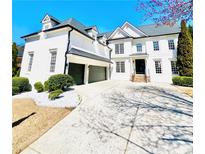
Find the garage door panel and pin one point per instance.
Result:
(97, 73)
(77, 72)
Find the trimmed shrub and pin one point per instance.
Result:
(15, 90)
(39, 87)
(183, 81)
(55, 94)
(20, 84)
(59, 81)
(46, 85)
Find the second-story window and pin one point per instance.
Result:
(139, 47)
(30, 61)
(53, 60)
(171, 44)
(156, 46)
(119, 48)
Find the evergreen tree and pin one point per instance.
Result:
(191, 31)
(185, 52)
(14, 57)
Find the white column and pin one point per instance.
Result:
(108, 72)
(132, 67)
(67, 67)
(86, 74)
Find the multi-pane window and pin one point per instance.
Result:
(53, 60)
(119, 48)
(174, 67)
(171, 44)
(120, 67)
(156, 45)
(158, 67)
(139, 47)
(30, 61)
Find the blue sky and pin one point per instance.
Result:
(106, 15)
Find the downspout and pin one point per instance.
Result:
(67, 51)
(110, 55)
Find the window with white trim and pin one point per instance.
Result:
(158, 67)
(156, 45)
(119, 48)
(120, 67)
(53, 59)
(174, 67)
(139, 47)
(171, 44)
(30, 61)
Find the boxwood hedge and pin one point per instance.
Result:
(39, 87)
(20, 84)
(183, 81)
(55, 94)
(59, 81)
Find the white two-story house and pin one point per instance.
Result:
(146, 53)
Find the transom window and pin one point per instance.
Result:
(30, 61)
(119, 48)
(53, 60)
(158, 67)
(174, 67)
(120, 67)
(171, 44)
(139, 47)
(156, 45)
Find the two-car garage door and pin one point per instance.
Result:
(96, 73)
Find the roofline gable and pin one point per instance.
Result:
(51, 18)
(133, 27)
(118, 29)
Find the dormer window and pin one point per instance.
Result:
(49, 22)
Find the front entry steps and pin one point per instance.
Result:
(140, 78)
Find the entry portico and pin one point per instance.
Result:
(139, 69)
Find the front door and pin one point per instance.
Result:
(140, 66)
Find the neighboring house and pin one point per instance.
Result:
(146, 53)
(19, 56)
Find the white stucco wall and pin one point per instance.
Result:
(120, 76)
(40, 70)
(164, 55)
(57, 39)
(84, 43)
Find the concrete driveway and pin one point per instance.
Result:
(118, 117)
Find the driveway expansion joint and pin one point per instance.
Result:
(132, 126)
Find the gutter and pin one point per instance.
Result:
(67, 51)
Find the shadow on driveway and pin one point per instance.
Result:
(148, 118)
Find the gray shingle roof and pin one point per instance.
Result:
(72, 22)
(153, 30)
(150, 30)
(88, 55)
(107, 34)
(55, 19)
